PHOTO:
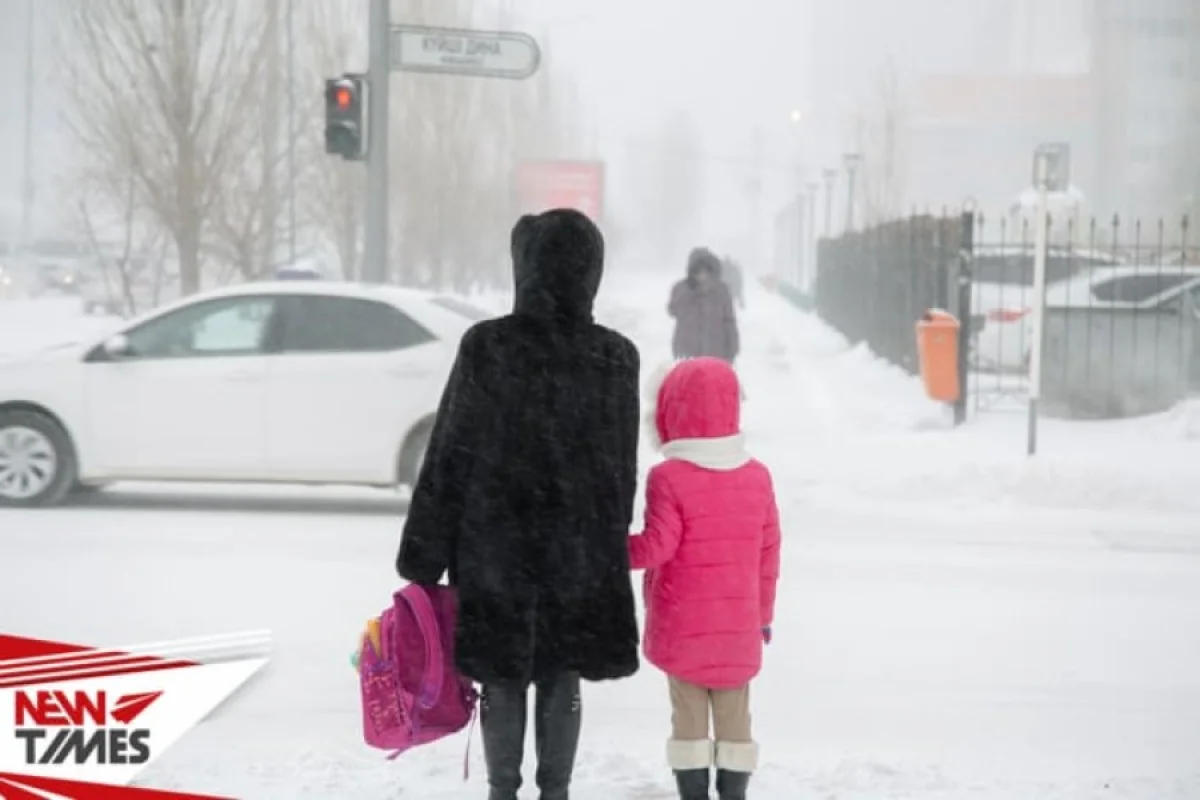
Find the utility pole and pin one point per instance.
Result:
(965, 282)
(754, 187)
(830, 176)
(1051, 173)
(814, 189)
(1039, 314)
(851, 160)
(379, 71)
(27, 189)
(270, 137)
(291, 129)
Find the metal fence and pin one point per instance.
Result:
(873, 285)
(1122, 305)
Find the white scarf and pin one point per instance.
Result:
(724, 453)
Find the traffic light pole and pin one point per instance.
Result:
(379, 72)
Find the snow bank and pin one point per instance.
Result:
(843, 426)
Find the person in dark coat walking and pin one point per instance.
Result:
(705, 321)
(525, 497)
(732, 277)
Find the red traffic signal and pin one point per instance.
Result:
(345, 122)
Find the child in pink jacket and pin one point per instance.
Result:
(710, 548)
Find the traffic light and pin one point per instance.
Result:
(345, 129)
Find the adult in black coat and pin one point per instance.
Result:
(526, 496)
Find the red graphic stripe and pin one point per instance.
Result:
(30, 662)
(13, 648)
(116, 660)
(18, 787)
(87, 656)
(132, 665)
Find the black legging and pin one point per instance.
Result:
(557, 721)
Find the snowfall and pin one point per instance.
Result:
(956, 620)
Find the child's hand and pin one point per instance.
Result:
(766, 632)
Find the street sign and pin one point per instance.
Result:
(1052, 167)
(452, 51)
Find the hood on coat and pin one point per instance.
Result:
(522, 237)
(699, 399)
(558, 260)
(702, 259)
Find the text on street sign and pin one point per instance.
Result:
(489, 54)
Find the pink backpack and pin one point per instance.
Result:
(412, 693)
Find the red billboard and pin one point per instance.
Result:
(542, 185)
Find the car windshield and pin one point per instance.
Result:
(1017, 269)
(462, 308)
(1138, 288)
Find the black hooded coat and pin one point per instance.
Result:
(526, 492)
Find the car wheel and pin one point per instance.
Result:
(37, 460)
(413, 453)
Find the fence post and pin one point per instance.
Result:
(966, 254)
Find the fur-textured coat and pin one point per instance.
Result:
(527, 489)
(705, 320)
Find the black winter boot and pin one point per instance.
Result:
(693, 783)
(735, 762)
(557, 720)
(691, 760)
(732, 785)
(503, 709)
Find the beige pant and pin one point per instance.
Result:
(692, 704)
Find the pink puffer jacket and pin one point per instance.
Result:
(710, 546)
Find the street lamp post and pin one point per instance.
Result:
(830, 176)
(851, 162)
(291, 130)
(27, 189)
(814, 189)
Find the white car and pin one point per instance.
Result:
(308, 382)
(1148, 287)
(1143, 287)
(1002, 295)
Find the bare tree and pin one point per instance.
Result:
(439, 159)
(330, 41)
(102, 209)
(244, 224)
(120, 269)
(161, 91)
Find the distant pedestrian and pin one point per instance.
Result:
(733, 277)
(710, 548)
(705, 320)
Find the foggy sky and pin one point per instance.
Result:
(738, 69)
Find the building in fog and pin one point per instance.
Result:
(1024, 81)
(1146, 68)
(984, 82)
(973, 136)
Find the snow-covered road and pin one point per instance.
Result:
(954, 622)
(914, 658)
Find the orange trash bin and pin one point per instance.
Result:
(937, 351)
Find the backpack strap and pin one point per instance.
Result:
(431, 680)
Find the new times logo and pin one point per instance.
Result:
(57, 727)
